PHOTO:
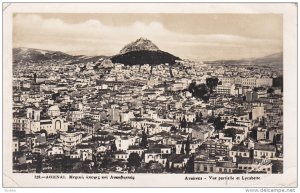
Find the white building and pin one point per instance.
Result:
(70, 140)
(225, 89)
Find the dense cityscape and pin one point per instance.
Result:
(96, 115)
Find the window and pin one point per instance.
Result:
(205, 168)
(211, 169)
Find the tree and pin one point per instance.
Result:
(183, 123)
(173, 129)
(143, 156)
(39, 164)
(172, 167)
(144, 141)
(170, 70)
(134, 160)
(197, 91)
(262, 123)
(219, 125)
(274, 139)
(230, 132)
(278, 82)
(55, 96)
(182, 148)
(190, 165)
(167, 166)
(113, 146)
(199, 117)
(270, 90)
(105, 162)
(174, 149)
(187, 146)
(211, 83)
(211, 119)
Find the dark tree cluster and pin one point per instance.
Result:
(183, 122)
(217, 122)
(134, 160)
(145, 57)
(199, 117)
(144, 141)
(278, 82)
(185, 147)
(211, 83)
(230, 132)
(190, 165)
(198, 91)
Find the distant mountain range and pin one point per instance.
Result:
(31, 55)
(275, 60)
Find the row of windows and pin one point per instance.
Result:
(239, 153)
(250, 168)
(264, 153)
(225, 170)
(205, 168)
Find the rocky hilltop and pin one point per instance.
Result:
(138, 45)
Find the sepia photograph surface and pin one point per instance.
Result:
(117, 98)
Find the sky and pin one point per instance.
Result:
(189, 36)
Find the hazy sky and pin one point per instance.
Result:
(193, 36)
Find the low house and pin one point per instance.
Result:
(70, 139)
(152, 155)
(124, 141)
(135, 149)
(264, 151)
(177, 161)
(165, 127)
(251, 165)
(41, 149)
(121, 155)
(85, 151)
(239, 151)
(204, 166)
(55, 150)
(237, 126)
(225, 167)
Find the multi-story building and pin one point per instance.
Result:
(70, 139)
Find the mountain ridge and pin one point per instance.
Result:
(23, 54)
(151, 56)
(275, 59)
